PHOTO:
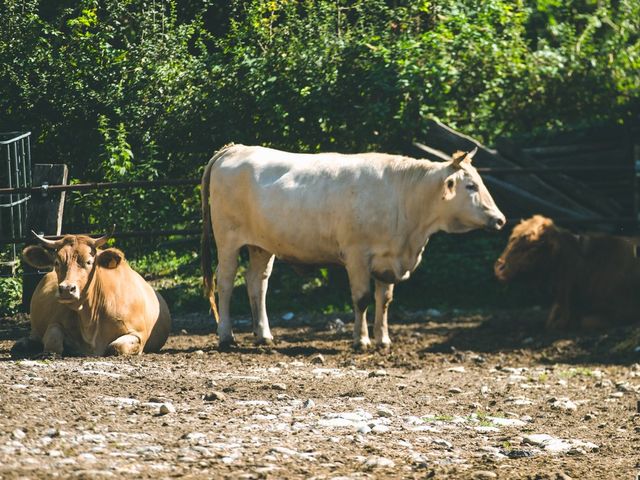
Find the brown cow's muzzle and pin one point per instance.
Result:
(68, 292)
(500, 269)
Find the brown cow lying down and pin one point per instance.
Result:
(92, 303)
(595, 279)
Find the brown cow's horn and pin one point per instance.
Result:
(98, 242)
(52, 244)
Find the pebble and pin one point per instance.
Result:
(309, 403)
(616, 395)
(167, 408)
(380, 429)
(455, 390)
(483, 475)
(279, 386)
(442, 443)
(18, 434)
(379, 462)
(214, 396)
(564, 404)
(317, 359)
(385, 412)
(378, 373)
(456, 369)
(288, 316)
(364, 429)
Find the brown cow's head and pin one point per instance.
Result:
(530, 249)
(74, 259)
(468, 203)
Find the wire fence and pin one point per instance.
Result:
(97, 186)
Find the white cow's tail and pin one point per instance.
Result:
(206, 244)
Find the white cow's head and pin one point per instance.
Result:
(467, 204)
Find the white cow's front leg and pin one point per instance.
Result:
(125, 345)
(257, 278)
(384, 296)
(226, 274)
(360, 282)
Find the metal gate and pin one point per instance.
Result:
(15, 172)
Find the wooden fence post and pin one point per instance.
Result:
(44, 216)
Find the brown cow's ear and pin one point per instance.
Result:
(110, 258)
(38, 257)
(449, 189)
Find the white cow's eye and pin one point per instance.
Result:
(472, 187)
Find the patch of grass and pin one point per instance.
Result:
(576, 372)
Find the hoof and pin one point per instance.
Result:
(361, 346)
(264, 342)
(26, 347)
(48, 356)
(227, 345)
(384, 347)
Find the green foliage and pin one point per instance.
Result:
(10, 295)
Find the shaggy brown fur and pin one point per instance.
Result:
(595, 279)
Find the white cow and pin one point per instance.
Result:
(371, 212)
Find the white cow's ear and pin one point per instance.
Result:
(38, 257)
(449, 188)
(110, 258)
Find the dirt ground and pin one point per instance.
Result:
(460, 395)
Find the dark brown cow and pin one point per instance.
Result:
(595, 279)
(92, 302)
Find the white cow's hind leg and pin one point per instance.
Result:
(384, 296)
(257, 278)
(226, 274)
(125, 345)
(360, 282)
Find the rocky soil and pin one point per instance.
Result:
(460, 395)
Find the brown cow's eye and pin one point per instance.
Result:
(90, 262)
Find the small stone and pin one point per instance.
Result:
(616, 395)
(456, 369)
(590, 416)
(317, 359)
(378, 373)
(380, 429)
(199, 352)
(214, 396)
(564, 404)
(309, 403)
(288, 316)
(167, 408)
(364, 429)
(379, 462)
(455, 390)
(18, 434)
(183, 332)
(483, 475)
(279, 386)
(562, 476)
(385, 412)
(442, 443)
